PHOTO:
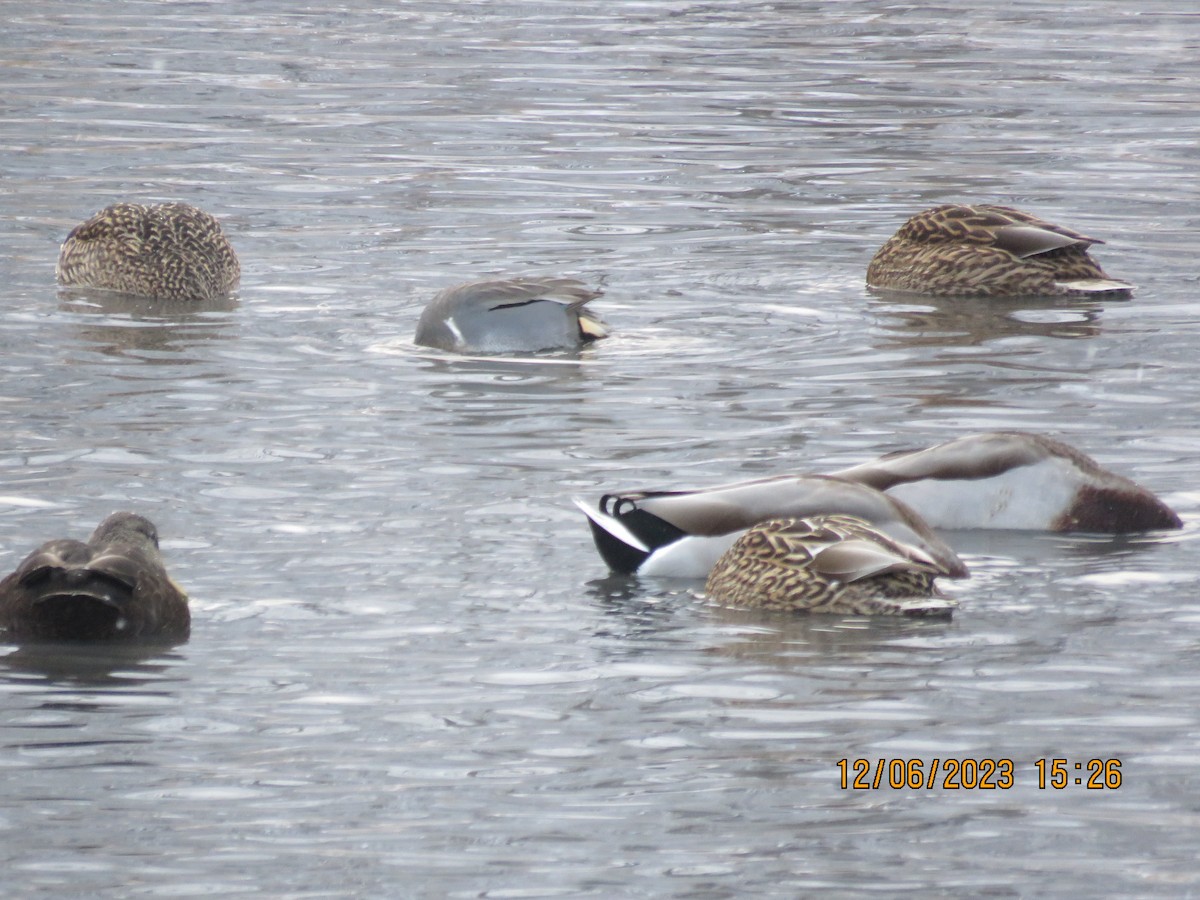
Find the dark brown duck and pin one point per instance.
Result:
(114, 587)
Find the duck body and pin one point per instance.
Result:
(168, 251)
(683, 533)
(990, 251)
(827, 564)
(1014, 480)
(113, 587)
(511, 316)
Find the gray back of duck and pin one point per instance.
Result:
(510, 316)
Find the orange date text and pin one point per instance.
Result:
(949, 774)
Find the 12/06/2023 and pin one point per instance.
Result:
(974, 774)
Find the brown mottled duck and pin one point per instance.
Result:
(170, 251)
(990, 251)
(828, 564)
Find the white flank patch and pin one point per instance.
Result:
(689, 557)
(456, 331)
(1028, 498)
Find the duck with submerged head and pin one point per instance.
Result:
(683, 533)
(990, 251)
(1017, 480)
(828, 564)
(513, 315)
(113, 587)
(168, 251)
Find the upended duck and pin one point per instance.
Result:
(168, 251)
(828, 564)
(511, 315)
(990, 251)
(683, 533)
(113, 587)
(1014, 480)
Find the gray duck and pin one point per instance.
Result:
(511, 315)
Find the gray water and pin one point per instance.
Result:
(409, 674)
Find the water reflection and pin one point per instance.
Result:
(647, 604)
(123, 325)
(786, 639)
(114, 664)
(558, 362)
(515, 405)
(1038, 549)
(918, 322)
(519, 377)
(1101, 554)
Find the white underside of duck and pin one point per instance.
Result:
(689, 557)
(1031, 497)
(1014, 480)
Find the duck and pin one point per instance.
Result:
(828, 564)
(1014, 480)
(682, 533)
(511, 315)
(113, 587)
(165, 251)
(990, 251)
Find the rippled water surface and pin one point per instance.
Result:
(409, 674)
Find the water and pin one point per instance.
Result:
(409, 674)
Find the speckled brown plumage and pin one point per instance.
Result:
(113, 587)
(171, 251)
(827, 564)
(989, 251)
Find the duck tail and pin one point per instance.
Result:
(619, 547)
(592, 327)
(1107, 288)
